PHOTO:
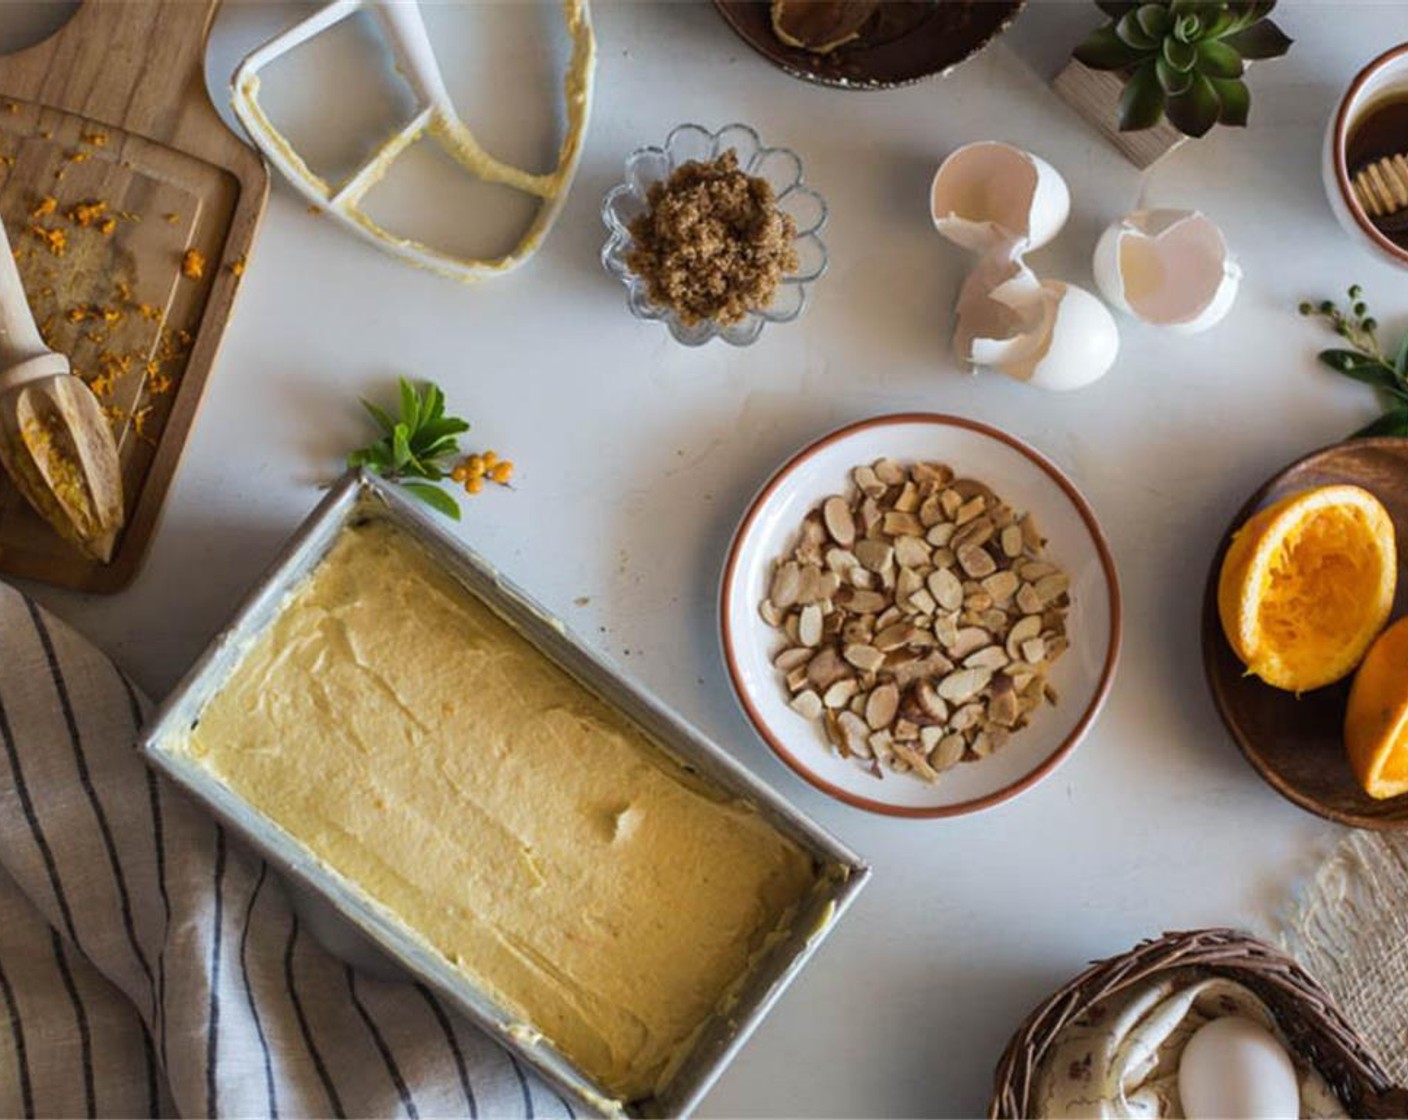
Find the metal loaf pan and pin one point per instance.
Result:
(357, 497)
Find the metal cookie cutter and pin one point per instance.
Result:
(404, 29)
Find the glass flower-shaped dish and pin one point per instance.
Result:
(782, 170)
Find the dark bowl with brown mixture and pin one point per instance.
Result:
(714, 234)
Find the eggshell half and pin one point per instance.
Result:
(1070, 338)
(988, 193)
(1170, 268)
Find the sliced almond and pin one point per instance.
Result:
(769, 612)
(1052, 587)
(975, 561)
(861, 602)
(893, 637)
(907, 501)
(941, 534)
(841, 693)
(875, 555)
(1031, 536)
(948, 752)
(917, 763)
(930, 702)
(786, 585)
(826, 668)
(881, 706)
(969, 510)
(1034, 650)
(889, 472)
(870, 485)
(967, 640)
(897, 523)
(922, 602)
(793, 658)
(807, 704)
(1034, 570)
(836, 512)
(866, 658)
(1028, 601)
(911, 551)
(855, 734)
(931, 511)
(946, 589)
(989, 657)
(977, 531)
(1023, 630)
(840, 560)
(809, 625)
(905, 731)
(1012, 541)
(963, 684)
(1001, 586)
(967, 717)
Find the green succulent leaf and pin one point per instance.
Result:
(1142, 102)
(1187, 28)
(1236, 101)
(1129, 29)
(1179, 55)
(1259, 40)
(1218, 60)
(1154, 19)
(1196, 110)
(1400, 363)
(1173, 81)
(1105, 50)
(434, 497)
(1394, 422)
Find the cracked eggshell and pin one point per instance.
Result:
(988, 193)
(1171, 268)
(1070, 339)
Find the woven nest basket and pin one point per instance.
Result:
(1316, 1028)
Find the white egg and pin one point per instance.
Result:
(1170, 268)
(1234, 1069)
(988, 193)
(1070, 338)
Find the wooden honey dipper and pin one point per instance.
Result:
(1382, 189)
(55, 441)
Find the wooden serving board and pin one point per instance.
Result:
(113, 167)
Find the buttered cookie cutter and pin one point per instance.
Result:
(405, 31)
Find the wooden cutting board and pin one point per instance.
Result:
(116, 178)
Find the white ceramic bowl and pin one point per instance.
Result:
(1385, 74)
(1026, 480)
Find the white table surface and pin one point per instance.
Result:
(636, 457)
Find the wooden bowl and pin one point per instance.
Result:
(907, 41)
(1297, 744)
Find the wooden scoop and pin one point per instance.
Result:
(55, 441)
(1382, 189)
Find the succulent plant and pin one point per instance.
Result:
(1184, 59)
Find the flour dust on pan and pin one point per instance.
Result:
(459, 156)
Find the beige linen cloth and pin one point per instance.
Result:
(150, 966)
(1349, 929)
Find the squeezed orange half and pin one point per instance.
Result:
(1376, 723)
(1307, 584)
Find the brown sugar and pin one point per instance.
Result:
(713, 244)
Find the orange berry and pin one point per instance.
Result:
(490, 459)
(460, 473)
(502, 473)
(474, 485)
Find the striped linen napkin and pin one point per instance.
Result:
(150, 966)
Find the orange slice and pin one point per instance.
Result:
(1376, 723)
(1307, 584)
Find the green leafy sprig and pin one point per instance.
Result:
(415, 450)
(1183, 59)
(1366, 360)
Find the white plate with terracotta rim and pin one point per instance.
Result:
(1027, 481)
